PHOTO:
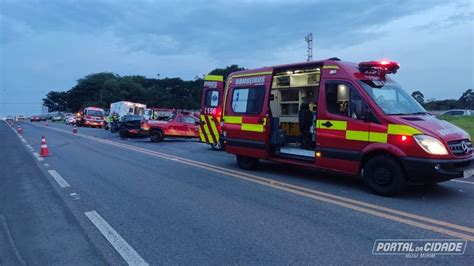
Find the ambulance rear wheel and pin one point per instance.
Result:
(217, 146)
(247, 163)
(384, 175)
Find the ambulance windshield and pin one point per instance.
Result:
(391, 98)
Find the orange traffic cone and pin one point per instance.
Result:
(44, 148)
(19, 130)
(74, 130)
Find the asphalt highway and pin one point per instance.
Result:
(100, 199)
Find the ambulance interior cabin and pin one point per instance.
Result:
(293, 104)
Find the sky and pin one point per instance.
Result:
(49, 44)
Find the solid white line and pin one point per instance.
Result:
(59, 179)
(462, 181)
(38, 157)
(121, 246)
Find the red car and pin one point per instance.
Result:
(179, 125)
(35, 118)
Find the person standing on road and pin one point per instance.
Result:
(114, 124)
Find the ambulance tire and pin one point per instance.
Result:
(217, 146)
(156, 136)
(384, 175)
(247, 163)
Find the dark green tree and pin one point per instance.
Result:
(56, 101)
(418, 96)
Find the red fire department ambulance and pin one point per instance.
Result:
(90, 117)
(344, 117)
(211, 111)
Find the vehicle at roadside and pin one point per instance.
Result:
(457, 112)
(124, 108)
(341, 117)
(35, 118)
(56, 118)
(133, 126)
(90, 117)
(10, 119)
(70, 119)
(180, 124)
(211, 111)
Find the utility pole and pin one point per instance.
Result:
(309, 50)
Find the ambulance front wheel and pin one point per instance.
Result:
(384, 175)
(247, 163)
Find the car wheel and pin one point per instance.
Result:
(247, 163)
(123, 134)
(156, 136)
(384, 175)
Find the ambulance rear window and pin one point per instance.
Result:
(212, 98)
(248, 100)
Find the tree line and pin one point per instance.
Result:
(102, 89)
(465, 101)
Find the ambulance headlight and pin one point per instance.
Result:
(431, 145)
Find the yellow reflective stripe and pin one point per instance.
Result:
(378, 137)
(233, 119)
(214, 78)
(252, 74)
(336, 124)
(357, 135)
(214, 128)
(252, 127)
(330, 67)
(206, 129)
(402, 130)
(201, 135)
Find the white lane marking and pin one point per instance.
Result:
(38, 157)
(121, 246)
(29, 146)
(46, 165)
(462, 181)
(59, 179)
(23, 140)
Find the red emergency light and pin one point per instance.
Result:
(379, 67)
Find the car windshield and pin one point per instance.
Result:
(94, 113)
(391, 98)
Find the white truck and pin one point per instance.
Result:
(123, 108)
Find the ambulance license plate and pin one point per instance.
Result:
(468, 173)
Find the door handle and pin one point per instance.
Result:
(327, 124)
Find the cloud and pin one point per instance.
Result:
(48, 45)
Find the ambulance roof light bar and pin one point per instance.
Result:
(380, 67)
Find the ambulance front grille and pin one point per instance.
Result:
(460, 147)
